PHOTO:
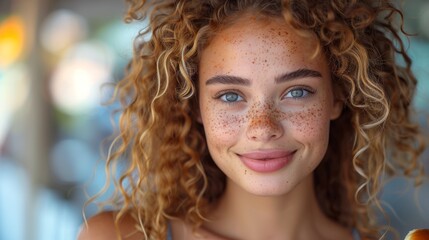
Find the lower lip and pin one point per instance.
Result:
(266, 165)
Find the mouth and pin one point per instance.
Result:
(267, 160)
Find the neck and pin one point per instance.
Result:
(241, 215)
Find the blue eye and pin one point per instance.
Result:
(231, 97)
(297, 93)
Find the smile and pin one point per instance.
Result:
(266, 161)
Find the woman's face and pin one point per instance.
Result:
(265, 105)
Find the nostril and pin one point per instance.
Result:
(264, 128)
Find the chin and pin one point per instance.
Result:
(268, 189)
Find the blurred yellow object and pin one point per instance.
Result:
(418, 234)
(12, 35)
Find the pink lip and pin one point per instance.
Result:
(267, 160)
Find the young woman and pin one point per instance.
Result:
(260, 119)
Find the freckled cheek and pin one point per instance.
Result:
(310, 124)
(222, 126)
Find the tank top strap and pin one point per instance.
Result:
(169, 234)
(355, 234)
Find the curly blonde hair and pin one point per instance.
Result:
(168, 170)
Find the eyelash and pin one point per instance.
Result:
(305, 89)
(223, 94)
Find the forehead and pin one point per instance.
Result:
(258, 41)
(271, 30)
(245, 26)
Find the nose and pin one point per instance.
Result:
(264, 127)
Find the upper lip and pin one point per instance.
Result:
(267, 154)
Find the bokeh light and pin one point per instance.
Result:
(13, 194)
(12, 35)
(14, 89)
(76, 83)
(61, 29)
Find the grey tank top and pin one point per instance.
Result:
(169, 235)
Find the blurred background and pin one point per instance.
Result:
(55, 56)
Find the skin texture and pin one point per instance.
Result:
(265, 115)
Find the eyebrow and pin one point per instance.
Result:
(300, 73)
(234, 80)
(227, 79)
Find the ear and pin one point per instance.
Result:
(338, 102)
(337, 109)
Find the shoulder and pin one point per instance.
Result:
(102, 227)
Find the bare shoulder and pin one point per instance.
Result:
(102, 227)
